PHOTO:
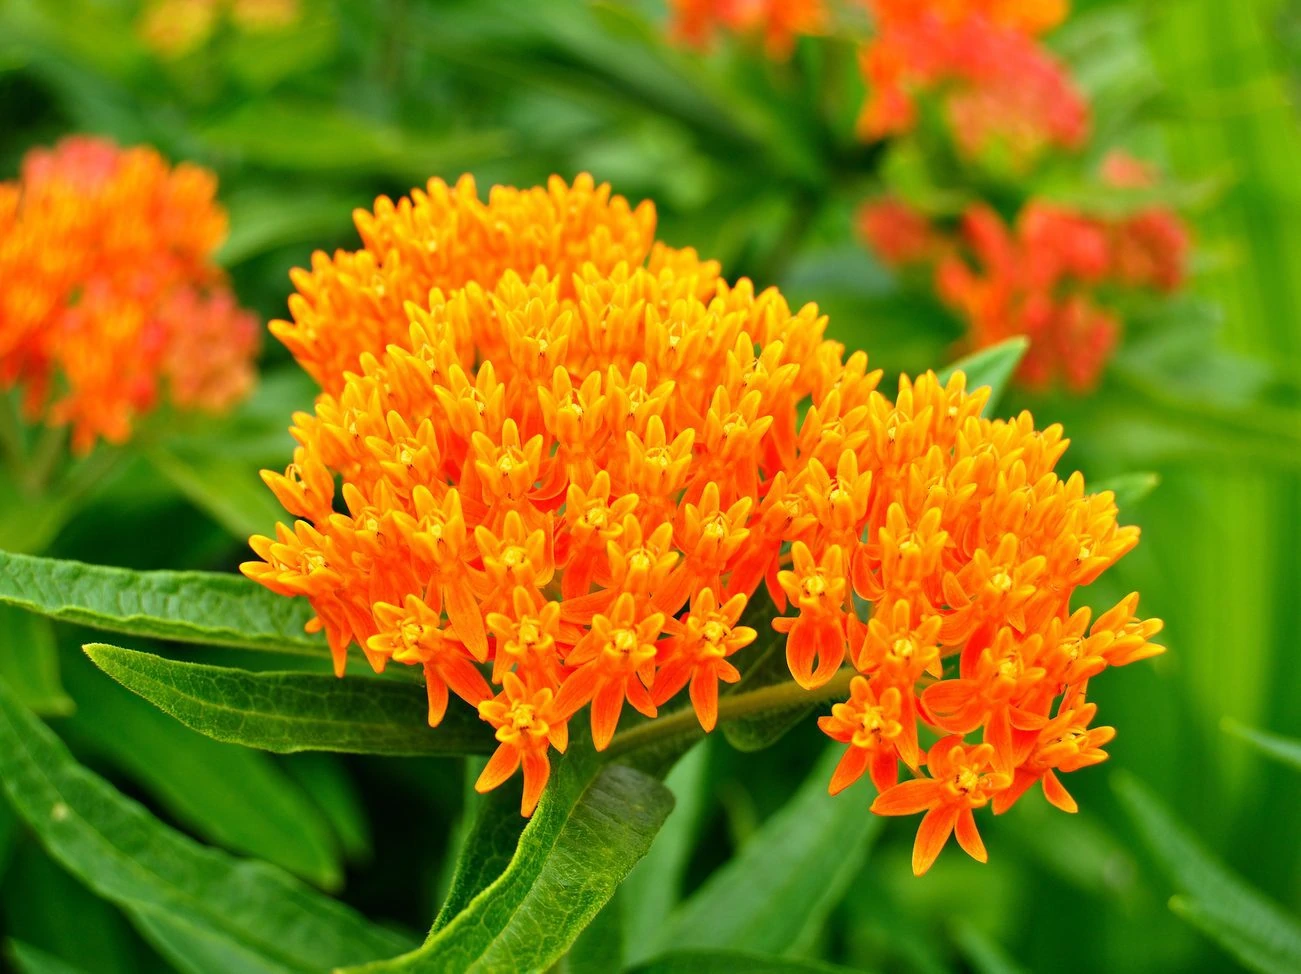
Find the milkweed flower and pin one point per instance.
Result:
(1043, 276)
(564, 490)
(112, 300)
(998, 85)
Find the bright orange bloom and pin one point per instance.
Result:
(111, 299)
(527, 725)
(582, 481)
(962, 779)
(998, 85)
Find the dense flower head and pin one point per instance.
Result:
(1041, 277)
(111, 296)
(997, 84)
(562, 492)
(778, 22)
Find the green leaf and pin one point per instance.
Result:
(28, 960)
(288, 712)
(1243, 921)
(29, 663)
(1283, 749)
(587, 833)
(227, 795)
(776, 893)
(229, 491)
(124, 854)
(1129, 488)
(488, 848)
(190, 607)
(730, 962)
(654, 887)
(993, 367)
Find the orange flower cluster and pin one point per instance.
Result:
(1038, 278)
(779, 22)
(111, 297)
(999, 86)
(563, 490)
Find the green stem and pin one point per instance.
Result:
(778, 696)
(11, 438)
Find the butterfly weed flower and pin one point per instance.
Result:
(568, 491)
(981, 57)
(112, 299)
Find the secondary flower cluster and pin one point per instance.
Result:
(111, 298)
(998, 86)
(979, 58)
(563, 490)
(1040, 277)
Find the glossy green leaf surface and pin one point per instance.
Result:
(194, 607)
(217, 906)
(288, 712)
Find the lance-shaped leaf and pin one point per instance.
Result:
(776, 893)
(591, 827)
(230, 796)
(288, 712)
(993, 367)
(29, 663)
(1244, 922)
(193, 607)
(214, 905)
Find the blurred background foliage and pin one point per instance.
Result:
(753, 162)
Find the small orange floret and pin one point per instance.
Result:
(778, 22)
(112, 300)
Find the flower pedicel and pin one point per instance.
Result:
(571, 457)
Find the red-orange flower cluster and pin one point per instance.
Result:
(563, 490)
(111, 298)
(1038, 278)
(998, 85)
(779, 22)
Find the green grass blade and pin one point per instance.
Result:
(1280, 748)
(784, 881)
(1246, 924)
